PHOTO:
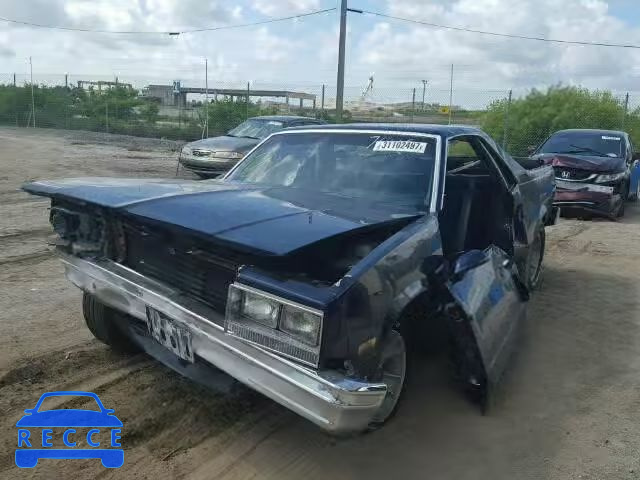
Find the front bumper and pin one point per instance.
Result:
(329, 399)
(594, 202)
(207, 165)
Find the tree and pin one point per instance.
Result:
(537, 115)
(149, 112)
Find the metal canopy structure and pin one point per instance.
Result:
(176, 94)
(236, 92)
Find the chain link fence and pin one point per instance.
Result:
(189, 110)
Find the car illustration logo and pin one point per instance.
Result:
(87, 433)
(565, 174)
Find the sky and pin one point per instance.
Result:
(302, 53)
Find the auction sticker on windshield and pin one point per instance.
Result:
(615, 139)
(405, 146)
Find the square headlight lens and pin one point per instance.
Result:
(303, 325)
(260, 309)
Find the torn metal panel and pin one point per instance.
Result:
(487, 289)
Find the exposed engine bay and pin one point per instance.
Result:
(204, 268)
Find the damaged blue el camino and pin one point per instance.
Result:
(316, 265)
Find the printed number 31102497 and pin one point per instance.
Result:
(407, 146)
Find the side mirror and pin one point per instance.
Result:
(29, 411)
(636, 156)
(469, 261)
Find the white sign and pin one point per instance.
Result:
(407, 146)
(617, 139)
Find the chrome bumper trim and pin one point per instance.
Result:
(329, 399)
(208, 163)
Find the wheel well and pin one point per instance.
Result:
(423, 325)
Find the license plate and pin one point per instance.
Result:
(170, 334)
(588, 187)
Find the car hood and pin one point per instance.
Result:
(582, 162)
(226, 143)
(259, 219)
(69, 418)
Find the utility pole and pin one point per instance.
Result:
(505, 134)
(424, 89)
(33, 102)
(451, 95)
(413, 106)
(248, 94)
(206, 96)
(626, 110)
(341, 59)
(14, 79)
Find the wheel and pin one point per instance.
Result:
(102, 321)
(636, 196)
(112, 459)
(392, 372)
(26, 459)
(620, 212)
(533, 267)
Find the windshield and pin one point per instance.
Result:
(256, 128)
(386, 168)
(588, 143)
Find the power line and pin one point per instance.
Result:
(167, 32)
(505, 35)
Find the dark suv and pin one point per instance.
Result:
(591, 169)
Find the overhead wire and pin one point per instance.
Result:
(498, 34)
(166, 32)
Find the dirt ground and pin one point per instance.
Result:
(569, 407)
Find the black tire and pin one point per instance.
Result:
(620, 212)
(625, 196)
(103, 321)
(393, 362)
(636, 195)
(535, 258)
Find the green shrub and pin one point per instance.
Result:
(532, 118)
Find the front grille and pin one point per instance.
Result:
(175, 262)
(565, 173)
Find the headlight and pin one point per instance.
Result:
(260, 309)
(187, 151)
(300, 324)
(275, 323)
(610, 177)
(229, 155)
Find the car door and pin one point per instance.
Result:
(488, 308)
(525, 195)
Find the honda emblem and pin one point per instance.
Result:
(565, 174)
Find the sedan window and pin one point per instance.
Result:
(256, 128)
